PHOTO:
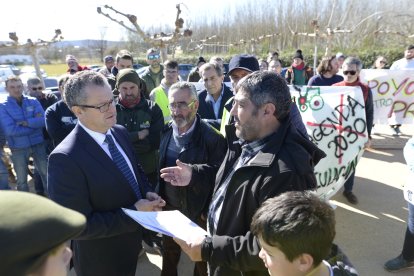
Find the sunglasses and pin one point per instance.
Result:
(37, 88)
(152, 57)
(352, 73)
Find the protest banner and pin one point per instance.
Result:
(334, 117)
(335, 121)
(393, 95)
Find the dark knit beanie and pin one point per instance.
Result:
(201, 59)
(130, 75)
(30, 227)
(298, 54)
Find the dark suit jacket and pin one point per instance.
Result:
(82, 177)
(206, 111)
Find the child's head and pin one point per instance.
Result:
(296, 231)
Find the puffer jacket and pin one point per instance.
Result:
(11, 113)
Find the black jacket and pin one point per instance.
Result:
(286, 163)
(204, 152)
(206, 111)
(60, 121)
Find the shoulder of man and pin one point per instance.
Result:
(202, 94)
(146, 72)
(209, 130)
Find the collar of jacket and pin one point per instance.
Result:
(266, 156)
(167, 130)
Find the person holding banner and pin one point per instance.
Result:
(351, 69)
(406, 259)
(327, 72)
(406, 63)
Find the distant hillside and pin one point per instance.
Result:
(80, 43)
(84, 43)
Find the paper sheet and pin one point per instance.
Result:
(170, 223)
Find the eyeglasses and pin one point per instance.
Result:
(383, 62)
(181, 105)
(102, 108)
(37, 88)
(351, 72)
(152, 57)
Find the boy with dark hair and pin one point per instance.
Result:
(296, 231)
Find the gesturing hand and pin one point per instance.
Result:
(179, 175)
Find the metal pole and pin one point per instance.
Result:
(315, 56)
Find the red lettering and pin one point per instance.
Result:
(373, 83)
(410, 110)
(400, 87)
(385, 91)
(397, 106)
(407, 89)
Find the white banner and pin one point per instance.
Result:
(335, 120)
(393, 95)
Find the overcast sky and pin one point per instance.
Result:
(78, 19)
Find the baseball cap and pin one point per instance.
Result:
(246, 62)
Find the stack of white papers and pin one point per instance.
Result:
(170, 223)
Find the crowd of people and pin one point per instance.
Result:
(236, 159)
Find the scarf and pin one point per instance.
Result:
(300, 66)
(129, 103)
(364, 87)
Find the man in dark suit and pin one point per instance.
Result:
(94, 171)
(215, 96)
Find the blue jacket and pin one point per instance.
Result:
(11, 114)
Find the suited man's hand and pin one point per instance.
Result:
(150, 205)
(179, 175)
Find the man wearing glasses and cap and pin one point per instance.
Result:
(94, 171)
(154, 72)
(351, 69)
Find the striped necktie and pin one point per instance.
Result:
(122, 165)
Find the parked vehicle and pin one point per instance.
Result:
(16, 70)
(5, 72)
(184, 70)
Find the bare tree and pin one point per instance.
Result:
(160, 40)
(33, 47)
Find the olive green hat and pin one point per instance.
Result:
(30, 227)
(127, 74)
